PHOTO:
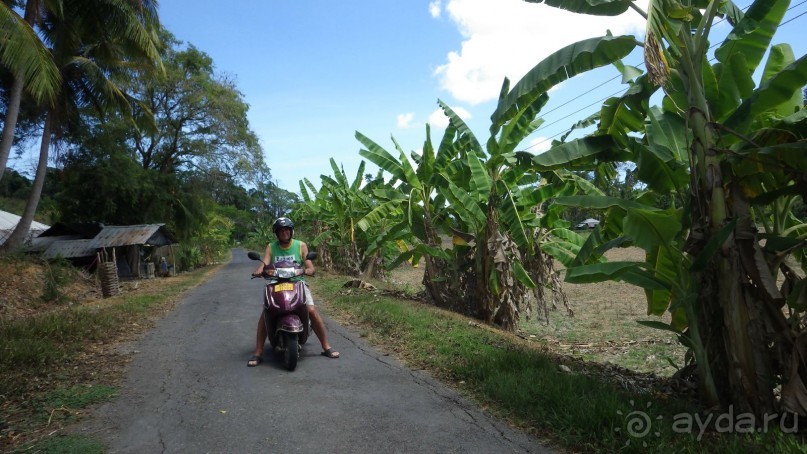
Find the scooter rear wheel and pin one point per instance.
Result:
(292, 352)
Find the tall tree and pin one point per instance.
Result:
(191, 139)
(30, 62)
(199, 119)
(93, 42)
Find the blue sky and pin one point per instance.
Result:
(316, 71)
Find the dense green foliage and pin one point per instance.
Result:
(584, 409)
(179, 151)
(719, 160)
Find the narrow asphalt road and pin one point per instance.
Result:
(188, 390)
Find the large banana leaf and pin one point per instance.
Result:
(775, 91)
(304, 193)
(519, 127)
(608, 271)
(386, 210)
(592, 7)
(602, 202)
(479, 185)
(752, 35)
(561, 65)
(727, 84)
(651, 229)
(338, 174)
(380, 157)
(511, 218)
(410, 176)
(567, 154)
(427, 160)
(467, 137)
(780, 56)
(465, 207)
(659, 175)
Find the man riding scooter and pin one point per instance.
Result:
(286, 248)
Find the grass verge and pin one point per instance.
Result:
(576, 407)
(57, 362)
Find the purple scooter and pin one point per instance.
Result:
(285, 313)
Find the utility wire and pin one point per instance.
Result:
(580, 95)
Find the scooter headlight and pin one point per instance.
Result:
(285, 273)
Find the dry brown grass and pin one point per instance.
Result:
(604, 327)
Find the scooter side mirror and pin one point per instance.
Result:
(253, 255)
(311, 255)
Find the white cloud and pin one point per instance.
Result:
(404, 121)
(539, 145)
(434, 8)
(506, 38)
(438, 119)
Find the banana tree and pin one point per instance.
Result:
(721, 146)
(410, 198)
(312, 212)
(340, 204)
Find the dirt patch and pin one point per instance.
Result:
(605, 325)
(30, 287)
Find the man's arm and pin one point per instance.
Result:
(267, 255)
(308, 264)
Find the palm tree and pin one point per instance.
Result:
(30, 62)
(93, 42)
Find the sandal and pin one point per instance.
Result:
(254, 361)
(330, 353)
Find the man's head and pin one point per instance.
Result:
(281, 225)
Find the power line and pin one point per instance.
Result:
(580, 95)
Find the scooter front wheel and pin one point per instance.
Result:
(292, 352)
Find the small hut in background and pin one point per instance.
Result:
(137, 249)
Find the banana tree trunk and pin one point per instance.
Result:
(730, 322)
(446, 285)
(485, 298)
(18, 236)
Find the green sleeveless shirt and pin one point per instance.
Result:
(292, 253)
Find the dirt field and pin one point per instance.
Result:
(604, 326)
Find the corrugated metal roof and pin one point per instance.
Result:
(111, 236)
(9, 221)
(69, 249)
(41, 243)
(124, 235)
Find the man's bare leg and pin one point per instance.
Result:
(319, 329)
(260, 341)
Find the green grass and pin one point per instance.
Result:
(33, 344)
(66, 444)
(577, 411)
(76, 397)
